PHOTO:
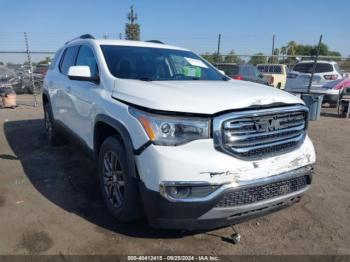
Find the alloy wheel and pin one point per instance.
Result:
(113, 179)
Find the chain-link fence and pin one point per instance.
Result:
(16, 72)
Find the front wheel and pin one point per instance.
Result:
(119, 189)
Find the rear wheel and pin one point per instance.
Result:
(279, 85)
(119, 189)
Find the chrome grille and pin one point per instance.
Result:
(255, 194)
(260, 133)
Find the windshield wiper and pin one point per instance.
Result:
(225, 78)
(148, 79)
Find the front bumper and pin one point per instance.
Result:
(215, 211)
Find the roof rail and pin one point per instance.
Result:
(85, 36)
(155, 41)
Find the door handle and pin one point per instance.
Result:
(68, 89)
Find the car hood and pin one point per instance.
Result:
(203, 97)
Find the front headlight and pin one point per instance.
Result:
(171, 130)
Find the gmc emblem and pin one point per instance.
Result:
(266, 125)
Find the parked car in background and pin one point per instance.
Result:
(325, 76)
(333, 89)
(276, 74)
(38, 75)
(174, 138)
(41, 70)
(346, 74)
(246, 72)
(7, 77)
(325, 71)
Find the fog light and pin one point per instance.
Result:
(195, 192)
(179, 192)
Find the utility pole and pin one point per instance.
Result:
(132, 16)
(120, 36)
(273, 48)
(31, 76)
(219, 45)
(315, 64)
(132, 29)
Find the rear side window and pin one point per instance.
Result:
(86, 57)
(307, 68)
(263, 68)
(68, 59)
(275, 69)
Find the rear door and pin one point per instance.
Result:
(62, 103)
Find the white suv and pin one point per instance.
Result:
(173, 138)
(325, 73)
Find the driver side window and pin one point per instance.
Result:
(86, 57)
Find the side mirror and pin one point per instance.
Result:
(81, 73)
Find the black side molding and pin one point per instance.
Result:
(125, 136)
(142, 148)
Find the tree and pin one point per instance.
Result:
(258, 58)
(213, 57)
(47, 60)
(231, 57)
(291, 48)
(291, 51)
(334, 54)
(132, 29)
(283, 53)
(274, 58)
(345, 65)
(209, 57)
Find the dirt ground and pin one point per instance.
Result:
(50, 204)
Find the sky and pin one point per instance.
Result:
(245, 26)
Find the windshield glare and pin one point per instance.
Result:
(157, 64)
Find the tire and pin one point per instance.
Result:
(53, 138)
(118, 187)
(279, 85)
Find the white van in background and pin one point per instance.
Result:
(276, 74)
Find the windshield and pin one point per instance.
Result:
(156, 64)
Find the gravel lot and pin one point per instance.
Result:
(50, 204)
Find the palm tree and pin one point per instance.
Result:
(291, 49)
(283, 52)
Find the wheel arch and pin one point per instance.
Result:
(45, 97)
(106, 126)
